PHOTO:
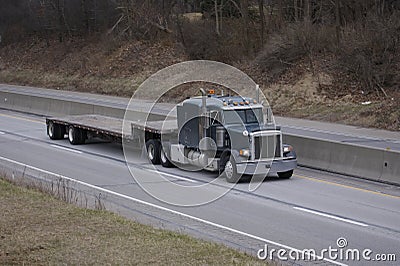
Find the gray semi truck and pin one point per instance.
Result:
(231, 135)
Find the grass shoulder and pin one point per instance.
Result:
(36, 228)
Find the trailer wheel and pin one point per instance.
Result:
(230, 171)
(153, 151)
(55, 131)
(165, 162)
(76, 136)
(286, 175)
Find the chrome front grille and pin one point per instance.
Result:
(267, 145)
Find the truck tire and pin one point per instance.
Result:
(165, 162)
(76, 136)
(55, 131)
(286, 175)
(230, 171)
(153, 151)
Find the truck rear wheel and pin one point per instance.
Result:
(153, 151)
(230, 171)
(55, 131)
(286, 175)
(165, 162)
(76, 136)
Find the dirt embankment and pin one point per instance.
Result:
(94, 65)
(306, 90)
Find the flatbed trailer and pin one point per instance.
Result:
(82, 127)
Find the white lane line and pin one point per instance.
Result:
(175, 212)
(65, 149)
(331, 216)
(150, 170)
(2, 133)
(171, 175)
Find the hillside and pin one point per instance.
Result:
(98, 65)
(330, 60)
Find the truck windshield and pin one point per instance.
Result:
(248, 116)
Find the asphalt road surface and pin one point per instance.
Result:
(312, 210)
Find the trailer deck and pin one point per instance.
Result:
(114, 126)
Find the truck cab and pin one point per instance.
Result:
(233, 135)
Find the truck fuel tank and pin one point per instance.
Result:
(220, 136)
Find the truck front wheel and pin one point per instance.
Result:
(230, 171)
(153, 151)
(286, 175)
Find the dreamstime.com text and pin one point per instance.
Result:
(338, 253)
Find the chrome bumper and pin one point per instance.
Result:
(266, 167)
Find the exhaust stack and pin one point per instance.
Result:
(258, 93)
(202, 126)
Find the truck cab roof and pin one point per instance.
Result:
(226, 102)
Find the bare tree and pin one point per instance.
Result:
(217, 30)
(262, 20)
(307, 15)
(244, 4)
(296, 10)
(337, 18)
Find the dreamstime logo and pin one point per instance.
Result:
(144, 108)
(331, 254)
(341, 242)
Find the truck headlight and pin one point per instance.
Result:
(244, 153)
(287, 149)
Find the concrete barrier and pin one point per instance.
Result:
(356, 160)
(108, 111)
(53, 107)
(307, 153)
(41, 105)
(391, 167)
(344, 158)
(56, 107)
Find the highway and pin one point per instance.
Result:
(311, 210)
(326, 131)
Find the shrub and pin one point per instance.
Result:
(371, 53)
